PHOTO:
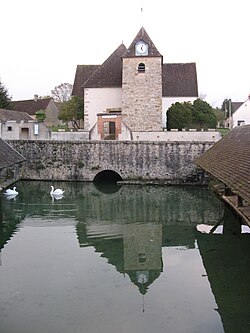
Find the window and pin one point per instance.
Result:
(9, 128)
(142, 257)
(241, 122)
(141, 67)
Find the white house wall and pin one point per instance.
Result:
(242, 114)
(168, 101)
(97, 100)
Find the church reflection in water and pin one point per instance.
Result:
(131, 226)
(135, 249)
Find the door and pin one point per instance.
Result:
(109, 130)
(24, 133)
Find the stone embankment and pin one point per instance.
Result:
(171, 162)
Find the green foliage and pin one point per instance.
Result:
(72, 111)
(198, 115)
(4, 97)
(59, 127)
(203, 115)
(224, 131)
(226, 106)
(179, 115)
(40, 115)
(220, 116)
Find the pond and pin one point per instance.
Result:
(126, 259)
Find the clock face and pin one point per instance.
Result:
(141, 48)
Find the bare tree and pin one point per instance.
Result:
(62, 93)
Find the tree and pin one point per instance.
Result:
(186, 115)
(220, 116)
(5, 99)
(226, 107)
(62, 93)
(203, 116)
(179, 115)
(40, 115)
(72, 111)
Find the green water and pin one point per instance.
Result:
(120, 259)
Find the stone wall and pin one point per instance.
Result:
(82, 161)
(142, 94)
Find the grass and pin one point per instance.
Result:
(223, 130)
(56, 128)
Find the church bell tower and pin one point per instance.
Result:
(142, 85)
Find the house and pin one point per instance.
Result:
(37, 104)
(18, 125)
(132, 90)
(228, 161)
(10, 161)
(240, 114)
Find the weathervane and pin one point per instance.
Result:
(142, 16)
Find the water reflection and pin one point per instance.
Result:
(225, 256)
(133, 229)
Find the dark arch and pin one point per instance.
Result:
(108, 177)
(141, 67)
(106, 181)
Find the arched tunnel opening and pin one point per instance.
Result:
(106, 181)
(107, 177)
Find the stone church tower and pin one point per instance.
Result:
(142, 85)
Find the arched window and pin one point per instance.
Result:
(141, 67)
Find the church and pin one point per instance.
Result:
(130, 93)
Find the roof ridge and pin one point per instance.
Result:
(114, 58)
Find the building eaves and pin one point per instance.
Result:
(228, 160)
(7, 115)
(83, 72)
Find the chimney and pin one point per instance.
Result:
(35, 98)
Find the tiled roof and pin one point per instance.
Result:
(31, 106)
(179, 80)
(109, 74)
(18, 116)
(143, 35)
(83, 72)
(228, 160)
(235, 106)
(8, 155)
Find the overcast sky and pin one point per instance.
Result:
(42, 42)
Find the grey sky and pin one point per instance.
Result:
(42, 42)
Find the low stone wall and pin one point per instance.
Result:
(70, 136)
(175, 135)
(132, 160)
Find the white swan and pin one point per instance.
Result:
(56, 197)
(11, 197)
(11, 192)
(58, 191)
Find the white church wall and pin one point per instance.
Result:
(168, 101)
(97, 100)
